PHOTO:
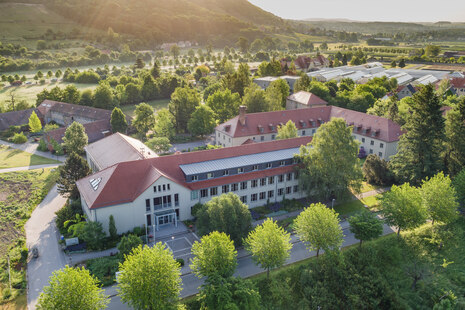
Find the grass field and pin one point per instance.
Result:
(20, 192)
(10, 158)
(155, 104)
(29, 92)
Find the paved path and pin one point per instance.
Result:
(42, 232)
(28, 168)
(31, 147)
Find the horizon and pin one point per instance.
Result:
(449, 10)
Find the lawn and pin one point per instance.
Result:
(20, 192)
(347, 209)
(155, 104)
(29, 92)
(10, 158)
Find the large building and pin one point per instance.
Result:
(377, 135)
(304, 99)
(161, 191)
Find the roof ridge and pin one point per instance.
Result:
(130, 144)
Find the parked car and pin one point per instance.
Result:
(35, 252)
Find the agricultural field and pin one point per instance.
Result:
(20, 192)
(10, 158)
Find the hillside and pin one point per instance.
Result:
(170, 20)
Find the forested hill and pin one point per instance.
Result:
(171, 20)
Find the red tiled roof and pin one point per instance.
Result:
(124, 182)
(309, 99)
(388, 130)
(458, 82)
(17, 118)
(73, 109)
(94, 130)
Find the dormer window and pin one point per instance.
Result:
(209, 175)
(302, 123)
(255, 167)
(272, 127)
(269, 165)
(261, 129)
(282, 163)
(225, 173)
(240, 170)
(195, 178)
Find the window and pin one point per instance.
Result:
(213, 191)
(156, 201)
(273, 137)
(154, 189)
(253, 197)
(296, 188)
(380, 154)
(263, 182)
(168, 186)
(271, 180)
(159, 188)
(288, 190)
(164, 187)
(282, 163)
(194, 195)
(203, 193)
(281, 178)
(176, 200)
(289, 177)
(195, 178)
(225, 172)
(262, 138)
(209, 175)
(255, 167)
(225, 188)
(147, 205)
(313, 131)
(371, 151)
(372, 142)
(262, 195)
(243, 185)
(270, 194)
(381, 145)
(240, 170)
(280, 191)
(296, 175)
(244, 199)
(303, 132)
(269, 165)
(234, 187)
(254, 183)
(363, 140)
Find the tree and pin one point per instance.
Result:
(302, 84)
(402, 207)
(269, 244)
(287, 131)
(402, 63)
(243, 44)
(75, 168)
(365, 226)
(155, 72)
(254, 99)
(432, 50)
(71, 94)
(224, 103)
(439, 198)
(375, 170)
(86, 98)
(128, 243)
(139, 63)
(73, 289)
(202, 121)
(238, 80)
(159, 144)
(164, 124)
(279, 91)
(150, 278)
(182, 105)
(420, 148)
(144, 118)
(318, 226)
(103, 96)
(75, 138)
(225, 213)
(455, 138)
(330, 165)
(214, 255)
(132, 93)
(149, 89)
(459, 186)
(393, 64)
(34, 123)
(118, 121)
(112, 227)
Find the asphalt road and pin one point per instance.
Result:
(42, 232)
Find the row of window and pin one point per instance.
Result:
(162, 187)
(273, 137)
(161, 202)
(213, 191)
(372, 142)
(270, 194)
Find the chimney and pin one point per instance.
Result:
(242, 110)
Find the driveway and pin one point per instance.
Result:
(31, 147)
(28, 168)
(42, 232)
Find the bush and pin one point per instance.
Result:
(50, 127)
(195, 209)
(138, 231)
(57, 148)
(180, 261)
(6, 293)
(19, 138)
(104, 268)
(42, 146)
(375, 170)
(128, 243)
(68, 212)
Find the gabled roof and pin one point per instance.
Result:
(95, 131)
(309, 99)
(74, 110)
(117, 148)
(266, 122)
(16, 118)
(458, 82)
(124, 182)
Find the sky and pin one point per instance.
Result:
(368, 10)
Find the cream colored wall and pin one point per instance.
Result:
(387, 150)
